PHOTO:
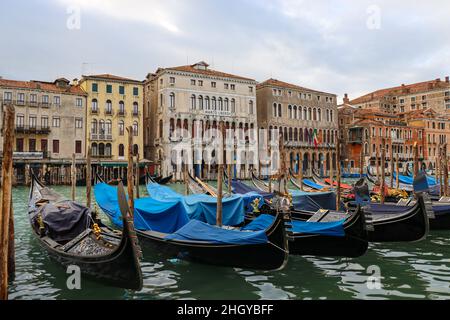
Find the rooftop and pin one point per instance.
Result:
(203, 68)
(277, 83)
(43, 85)
(110, 77)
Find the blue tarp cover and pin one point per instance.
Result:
(313, 201)
(312, 184)
(203, 207)
(409, 180)
(149, 214)
(335, 229)
(199, 231)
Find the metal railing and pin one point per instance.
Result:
(101, 137)
(32, 129)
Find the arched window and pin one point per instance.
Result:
(135, 128)
(121, 128)
(290, 134)
(233, 106)
(295, 112)
(319, 114)
(200, 102)
(102, 127)
(290, 111)
(135, 149)
(193, 102)
(250, 107)
(301, 135)
(227, 105)
(295, 134)
(108, 106)
(315, 114)
(121, 108)
(135, 109)
(172, 101)
(279, 111)
(220, 104)
(108, 128)
(101, 149)
(331, 115)
(275, 110)
(160, 128)
(328, 115)
(305, 113)
(207, 105)
(214, 103)
(94, 126)
(121, 150)
(309, 114)
(94, 148)
(108, 151)
(94, 105)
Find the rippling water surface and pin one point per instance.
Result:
(406, 271)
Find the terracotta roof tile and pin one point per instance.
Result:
(207, 72)
(107, 76)
(42, 85)
(403, 89)
(277, 83)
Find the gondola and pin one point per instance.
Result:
(305, 184)
(327, 182)
(71, 235)
(373, 179)
(200, 242)
(194, 186)
(353, 243)
(276, 187)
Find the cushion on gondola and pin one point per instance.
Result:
(199, 231)
(312, 184)
(335, 229)
(64, 220)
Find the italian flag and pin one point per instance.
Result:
(315, 138)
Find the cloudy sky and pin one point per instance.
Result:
(329, 45)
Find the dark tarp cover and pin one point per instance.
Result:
(241, 188)
(65, 220)
(149, 214)
(199, 231)
(335, 229)
(313, 201)
(377, 208)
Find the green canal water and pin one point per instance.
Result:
(399, 271)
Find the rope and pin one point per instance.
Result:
(285, 251)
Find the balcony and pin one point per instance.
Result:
(93, 111)
(109, 112)
(30, 155)
(101, 137)
(136, 114)
(102, 156)
(355, 139)
(121, 113)
(33, 129)
(45, 105)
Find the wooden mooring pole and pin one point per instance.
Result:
(230, 188)
(130, 181)
(338, 177)
(446, 193)
(73, 176)
(416, 159)
(383, 169)
(137, 176)
(7, 262)
(88, 178)
(361, 162)
(220, 181)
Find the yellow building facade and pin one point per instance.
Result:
(113, 104)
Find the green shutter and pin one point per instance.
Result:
(136, 91)
(108, 88)
(94, 87)
(121, 90)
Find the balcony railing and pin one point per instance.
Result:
(94, 111)
(136, 114)
(121, 113)
(102, 156)
(109, 112)
(101, 137)
(33, 129)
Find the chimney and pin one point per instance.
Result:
(438, 80)
(346, 99)
(446, 79)
(75, 81)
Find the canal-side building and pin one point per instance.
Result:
(366, 129)
(307, 119)
(434, 94)
(113, 104)
(50, 124)
(197, 98)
